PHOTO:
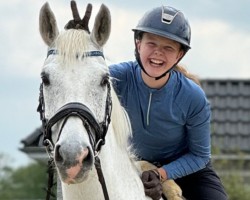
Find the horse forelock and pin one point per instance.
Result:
(71, 44)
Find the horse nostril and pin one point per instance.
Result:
(58, 156)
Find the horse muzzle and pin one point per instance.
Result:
(73, 162)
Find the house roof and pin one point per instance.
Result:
(33, 146)
(230, 105)
(34, 139)
(230, 122)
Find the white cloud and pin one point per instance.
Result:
(217, 45)
(25, 51)
(219, 50)
(120, 46)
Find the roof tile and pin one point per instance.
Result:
(230, 105)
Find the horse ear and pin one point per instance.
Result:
(102, 26)
(47, 24)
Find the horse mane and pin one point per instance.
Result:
(120, 121)
(70, 44)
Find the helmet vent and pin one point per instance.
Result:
(168, 15)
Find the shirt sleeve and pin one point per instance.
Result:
(198, 137)
(119, 73)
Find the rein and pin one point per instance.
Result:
(96, 131)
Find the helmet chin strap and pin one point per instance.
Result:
(137, 56)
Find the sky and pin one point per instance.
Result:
(220, 50)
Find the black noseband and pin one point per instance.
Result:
(84, 113)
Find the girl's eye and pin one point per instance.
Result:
(168, 48)
(151, 44)
(45, 79)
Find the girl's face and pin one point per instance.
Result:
(158, 54)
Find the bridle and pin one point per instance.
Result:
(96, 131)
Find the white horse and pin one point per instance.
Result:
(75, 107)
(72, 74)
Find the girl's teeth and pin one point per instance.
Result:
(156, 61)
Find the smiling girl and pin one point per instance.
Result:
(169, 112)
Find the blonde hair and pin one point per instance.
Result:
(185, 72)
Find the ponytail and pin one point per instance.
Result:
(184, 71)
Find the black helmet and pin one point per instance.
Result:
(167, 22)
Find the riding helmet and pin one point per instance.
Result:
(167, 22)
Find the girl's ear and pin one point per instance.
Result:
(138, 44)
(180, 54)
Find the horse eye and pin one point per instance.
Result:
(105, 80)
(45, 79)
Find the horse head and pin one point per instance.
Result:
(75, 91)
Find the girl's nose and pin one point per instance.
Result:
(158, 51)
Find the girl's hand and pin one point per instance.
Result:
(152, 184)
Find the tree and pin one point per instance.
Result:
(5, 174)
(28, 182)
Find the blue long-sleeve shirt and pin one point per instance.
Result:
(171, 123)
